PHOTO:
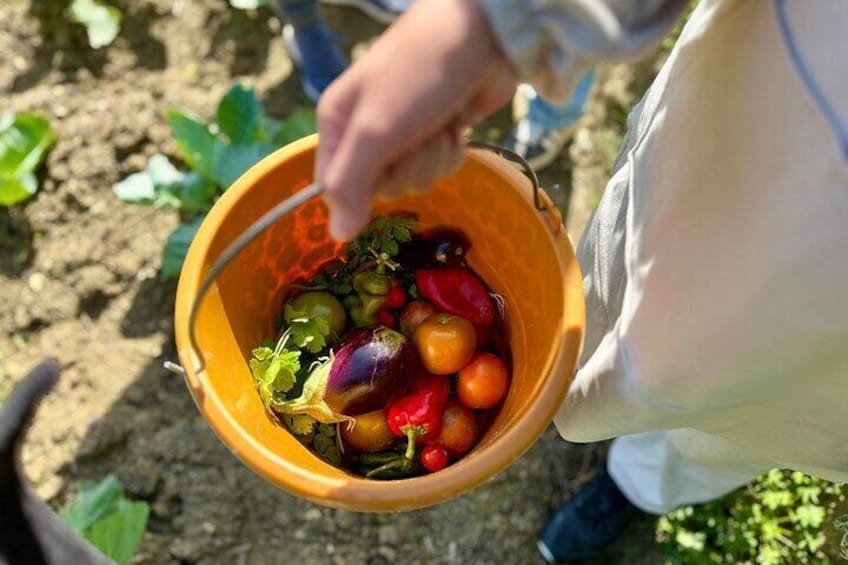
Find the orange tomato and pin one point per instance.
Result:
(483, 382)
(369, 433)
(445, 343)
(459, 429)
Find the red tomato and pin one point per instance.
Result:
(386, 318)
(397, 296)
(445, 343)
(483, 382)
(434, 457)
(459, 429)
(415, 312)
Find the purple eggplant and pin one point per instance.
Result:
(370, 368)
(441, 246)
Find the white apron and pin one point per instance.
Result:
(716, 265)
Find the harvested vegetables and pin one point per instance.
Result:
(390, 358)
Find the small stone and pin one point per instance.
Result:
(300, 534)
(36, 282)
(331, 549)
(387, 553)
(387, 535)
(209, 527)
(312, 515)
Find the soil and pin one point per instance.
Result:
(79, 278)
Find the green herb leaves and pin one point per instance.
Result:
(24, 140)
(307, 333)
(217, 154)
(110, 522)
(274, 371)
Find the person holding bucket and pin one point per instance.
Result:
(714, 266)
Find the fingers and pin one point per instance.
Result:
(419, 171)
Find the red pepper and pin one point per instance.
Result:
(396, 296)
(457, 291)
(418, 415)
(439, 385)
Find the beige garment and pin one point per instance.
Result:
(716, 266)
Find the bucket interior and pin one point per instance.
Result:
(512, 249)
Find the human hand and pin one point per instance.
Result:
(392, 123)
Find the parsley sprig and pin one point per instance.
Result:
(380, 241)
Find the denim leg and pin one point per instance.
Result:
(299, 13)
(553, 116)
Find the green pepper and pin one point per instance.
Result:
(372, 290)
(371, 283)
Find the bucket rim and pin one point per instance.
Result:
(357, 493)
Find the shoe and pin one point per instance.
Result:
(316, 52)
(384, 11)
(583, 526)
(540, 146)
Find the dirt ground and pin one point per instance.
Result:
(79, 280)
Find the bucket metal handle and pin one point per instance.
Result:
(540, 200)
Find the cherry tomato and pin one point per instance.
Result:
(445, 343)
(459, 429)
(397, 296)
(434, 457)
(386, 318)
(483, 382)
(369, 433)
(319, 304)
(415, 312)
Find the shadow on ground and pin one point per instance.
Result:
(63, 44)
(206, 507)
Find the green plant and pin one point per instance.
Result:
(102, 22)
(248, 4)
(841, 524)
(110, 522)
(776, 519)
(24, 140)
(217, 154)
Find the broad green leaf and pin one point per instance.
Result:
(17, 189)
(240, 116)
(24, 139)
(137, 188)
(234, 160)
(144, 187)
(248, 4)
(299, 124)
(197, 145)
(192, 193)
(117, 535)
(102, 23)
(176, 248)
(93, 503)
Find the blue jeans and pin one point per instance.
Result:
(552, 116)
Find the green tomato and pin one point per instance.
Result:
(318, 304)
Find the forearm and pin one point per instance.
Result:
(553, 42)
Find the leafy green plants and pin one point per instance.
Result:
(217, 154)
(102, 22)
(110, 522)
(24, 140)
(779, 518)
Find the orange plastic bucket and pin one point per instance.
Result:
(521, 252)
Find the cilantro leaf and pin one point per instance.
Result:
(274, 372)
(299, 424)
(307, 333)
(324, 443)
